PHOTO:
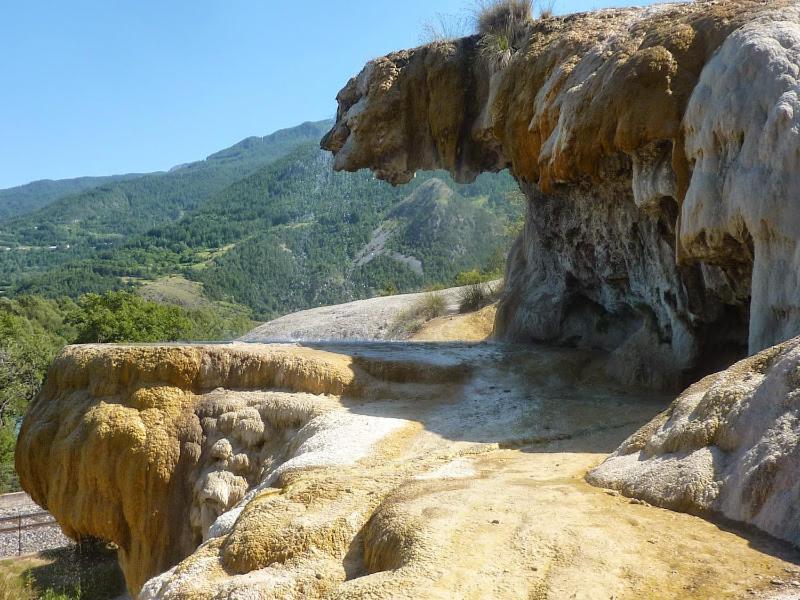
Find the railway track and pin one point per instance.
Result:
(22, 523)
(25, 528)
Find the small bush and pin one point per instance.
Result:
(411, 320)
(432, 305)
(472, 277)
(391, 289)
(476, 296)
(476, 276)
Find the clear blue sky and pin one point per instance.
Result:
(96, 87)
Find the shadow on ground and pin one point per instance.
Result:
(87, 571)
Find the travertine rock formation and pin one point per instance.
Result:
(364, 472)
(729, 444)
(659, 149)
(361, 320)
(136, 446)
(660, 152)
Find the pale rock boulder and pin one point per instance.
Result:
(729, 445)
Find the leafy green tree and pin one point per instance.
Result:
(125, 317)
(30, 336)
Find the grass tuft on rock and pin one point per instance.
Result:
(475, 297)
(498, 16)
(411, 320)
(503, 27)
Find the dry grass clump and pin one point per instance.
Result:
(411, 320)
(11, 588)
(444, 28)
(496, 16)
(503, 27)
(476, 296)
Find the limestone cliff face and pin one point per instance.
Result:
(660, 151)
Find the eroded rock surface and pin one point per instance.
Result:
(365, 471)
(138, 447)
(361, 320)
(728, 444)
(660, 150)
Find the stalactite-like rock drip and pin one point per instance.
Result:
(143, 447)
(659, 148)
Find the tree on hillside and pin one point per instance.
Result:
(125, 317)
(25, 352)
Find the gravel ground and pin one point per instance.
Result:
(27, 541)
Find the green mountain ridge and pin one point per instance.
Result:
(128, 205)
(265, 225)
(299, 246)
(23, 199)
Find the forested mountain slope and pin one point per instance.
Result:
(102, 215)
(27, 198)
(265, 224)
(312, 237)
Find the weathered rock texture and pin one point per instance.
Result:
(660, 151)
(135, 446)
(363, 472)
(729, 444)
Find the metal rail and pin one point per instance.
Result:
(30, 515)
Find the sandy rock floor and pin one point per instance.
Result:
(471, 327)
